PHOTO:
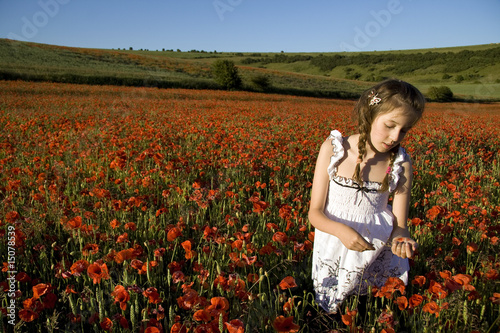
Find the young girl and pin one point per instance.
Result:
(359, 240)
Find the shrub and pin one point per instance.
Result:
(440, 94)
(261, 82)
(226, 74)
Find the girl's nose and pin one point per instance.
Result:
(394, 137)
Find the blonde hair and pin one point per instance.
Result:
(380, 99)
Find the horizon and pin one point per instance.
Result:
(257, 26)
(270, 52)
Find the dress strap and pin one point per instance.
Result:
(337, 152)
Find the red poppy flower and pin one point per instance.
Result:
(415, 300)
(280, 237)
(70, 289)
(79, 266)
(178, 277)
(252, 277)
(121, 296)
(89, 249)
(472, 247)
(186, 245)
(40, 290)
(33, 304)
(124, 255)
(445, 274)
(289, 305)
(131, 226)
(348, 317)
(173, 233)
(432, 308)
(74, 223)
(123, 238)
(98, 271)
(419, 279)
(12, 217)
(386, 318)
(106, 324)
(152, 294)
(218, 304)
(437, 290)
(235, 326)
(402, 302)
(114, 224)
(188, 300)
(463, 279)
(202, 315)
(27, 315)
(178, 328)
(22, 277)
(492, 274)
(435, 211)
(152, 329)
(288, 282)
(495, 299)
(122, 321)
(285, 325)
(391, 285)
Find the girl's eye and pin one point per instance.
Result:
(389, 126)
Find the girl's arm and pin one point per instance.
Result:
(348, 236)
(402, 244)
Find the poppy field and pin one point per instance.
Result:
(152, 210)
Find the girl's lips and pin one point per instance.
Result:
(386, 145)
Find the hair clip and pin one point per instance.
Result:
(374, 99)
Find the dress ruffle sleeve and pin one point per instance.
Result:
(337, 152)
(397, 168)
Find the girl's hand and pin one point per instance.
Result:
(404, 247)
(353, 240)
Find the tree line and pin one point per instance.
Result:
(399, 63)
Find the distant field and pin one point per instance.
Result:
(472, 72)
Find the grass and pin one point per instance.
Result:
(166, 69)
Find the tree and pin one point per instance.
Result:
(440, 94)
(226, 74)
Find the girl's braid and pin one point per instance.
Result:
(385, 182)
(364, 131)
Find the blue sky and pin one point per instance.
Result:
(253, 25)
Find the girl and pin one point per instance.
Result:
(359, 240)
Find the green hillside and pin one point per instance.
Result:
(472, 73)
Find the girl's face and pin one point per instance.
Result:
(389, 129)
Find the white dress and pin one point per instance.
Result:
(338, 272)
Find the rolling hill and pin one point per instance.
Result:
(471, 72)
